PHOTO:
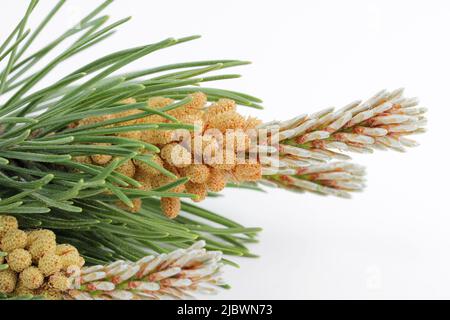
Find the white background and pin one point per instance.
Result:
(392, 241)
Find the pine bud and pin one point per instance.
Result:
(198, 189)
(128, 169)
(19, 260)
(8, 280)
(145, 169)
(49, 293)
(83, 159)
(32, 236)
(14, 239)
(21, 290)
(7, 223)
(42, 246)
(101, 159)
(171, 207)
(69, 255)
(227, 121)
(32, 278)
(50, 264)
(197, 173)
(60, 282)
(158, 137)
(137, 204)
(217, 180)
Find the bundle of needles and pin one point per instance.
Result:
(102, 158)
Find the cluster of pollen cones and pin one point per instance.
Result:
(33, 263)
(224, 146)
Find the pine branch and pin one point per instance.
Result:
(90, 155)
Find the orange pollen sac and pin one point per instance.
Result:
(359, 130)
(286, 179)
(132, 284)
(331, 183)
(339, 136)
(318, 144)
(91, 287)
(115, 279)
(299, 140)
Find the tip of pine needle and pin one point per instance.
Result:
(256, 106)
(231, 263)
(103, 19)
(226, 286)
(251, 255)
(185, 39)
